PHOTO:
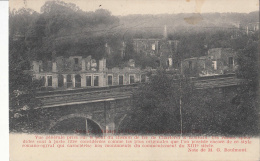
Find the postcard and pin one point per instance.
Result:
(133, 80)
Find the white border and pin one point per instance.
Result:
(4, 110)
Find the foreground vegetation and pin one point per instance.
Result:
(164, 106)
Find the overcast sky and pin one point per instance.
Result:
(125, 7)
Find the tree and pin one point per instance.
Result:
(156, 106)
(161, 104)
(22, 87)
(248, 65)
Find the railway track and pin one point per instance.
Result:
(54, 99)
(217, 83)
(74, 98)
(85, 100)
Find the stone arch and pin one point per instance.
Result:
(73, 116)
(77, 81)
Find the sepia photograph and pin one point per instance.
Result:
(120, 68)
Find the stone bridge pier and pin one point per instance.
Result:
(101, 117)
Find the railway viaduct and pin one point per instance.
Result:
(101, 110)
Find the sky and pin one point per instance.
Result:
(126, 7)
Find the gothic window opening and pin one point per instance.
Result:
(49, 81)
(77, 81)
(143, 78)
(76, 60)
(121, 80)
(96, 80)
(69, 81)
(190, 65)
(109, 80)
(132, 79)
(230, 61)
(60, 81)
(88, 81)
